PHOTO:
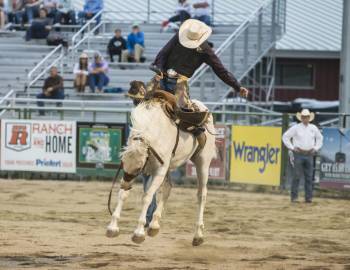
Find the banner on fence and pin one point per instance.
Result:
(256, 155)
(29, 145)
(99, 145)
(217, 169)
(335, 158)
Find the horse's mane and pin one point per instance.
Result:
(145, 117)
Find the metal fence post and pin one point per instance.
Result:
(246, 51)
(273, 22)
(284, 154)
(148, 11)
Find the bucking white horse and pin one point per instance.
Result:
(153, 130)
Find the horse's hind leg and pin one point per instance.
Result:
(163, 196)
(202, 167)
(112, 228)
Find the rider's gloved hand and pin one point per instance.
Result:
(243, 92)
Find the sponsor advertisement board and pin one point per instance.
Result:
(256, 155)
(335, 158)
(30, 145)
(99, 145)
(217, 169)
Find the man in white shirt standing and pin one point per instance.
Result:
(201, 10)
(304, 140)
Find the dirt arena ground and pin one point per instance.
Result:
(61, 225)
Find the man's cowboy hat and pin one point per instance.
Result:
(84, 55)
(305, 112)
(193, 33)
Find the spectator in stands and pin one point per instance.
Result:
(98, 73)
(303, 141)
(81, 72)
(182, 13)
(17, 12)
(65, 14)
(40, 28)
(2, 14)
(52, 89)
(135, 46)
(116, 45)
(51, 7)
(32, 9)
(91, 8)
(201, 11)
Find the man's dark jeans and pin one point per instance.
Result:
(55, 95)
(153, 206)
(181, 17)
(303, 165)
(98, 80)
(204, 18)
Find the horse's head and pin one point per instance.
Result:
(137, 88)
(135, 155)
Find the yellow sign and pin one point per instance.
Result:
(256, 155)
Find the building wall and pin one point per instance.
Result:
(326, 80)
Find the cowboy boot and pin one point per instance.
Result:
(198, 132)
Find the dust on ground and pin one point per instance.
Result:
(61, 225)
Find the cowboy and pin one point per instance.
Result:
(303, 141)
(183, 55)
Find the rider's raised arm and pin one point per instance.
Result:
(215, 63)
(163, 54)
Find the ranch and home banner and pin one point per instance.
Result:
(335, 158)
(217, 169)
(256, 155)
(46, 146)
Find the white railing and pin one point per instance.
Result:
(7, 102)
(44, 66)
(89, 27)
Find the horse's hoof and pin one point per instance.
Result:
(112, 233)
(197, 242)
(138, 239)
(152, 232)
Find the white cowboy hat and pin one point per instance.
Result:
(193, 33)
(305, 112)
(84, 55)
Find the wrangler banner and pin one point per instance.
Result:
(218, 165)
(29, 145)
(256, 155)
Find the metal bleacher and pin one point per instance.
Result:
(241, 38)
(17, 58)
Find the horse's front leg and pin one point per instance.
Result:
(139, 233)
(112, 228)
(202, 173)
(162, 199)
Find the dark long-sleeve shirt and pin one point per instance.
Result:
(186, 61)
(117, 44)
(55, 82)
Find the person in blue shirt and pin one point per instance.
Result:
(135, 46)
(91, 8)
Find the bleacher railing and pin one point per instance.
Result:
(85, 33)
(267, 24)
(109, 110)
(54, 58)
